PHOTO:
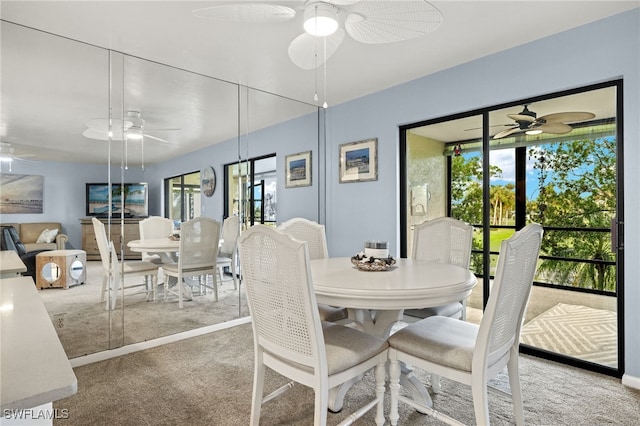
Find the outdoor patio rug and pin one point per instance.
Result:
(574, 330)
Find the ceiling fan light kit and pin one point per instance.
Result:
(320, 19)
(366, 21)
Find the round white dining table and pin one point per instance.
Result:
(409, 284)
(154, 245)
(377, 300)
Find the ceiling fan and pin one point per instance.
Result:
(133, 128)
(370, 22)
(7, 154)
(528, 121)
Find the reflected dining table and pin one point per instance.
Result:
(155, 245)
(377, 300)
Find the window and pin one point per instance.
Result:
(182, 197)
(250, 190)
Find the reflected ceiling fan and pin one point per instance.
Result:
(557, 123)
(8, 154)
(370, 22)
(133, 127)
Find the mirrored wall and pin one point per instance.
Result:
(132, 111)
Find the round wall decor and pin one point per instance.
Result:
(208, 181)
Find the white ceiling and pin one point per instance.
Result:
(52, 86)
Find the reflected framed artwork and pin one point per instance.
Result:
(359, 161)
(208, 181)
(298, 170)
(21, 193)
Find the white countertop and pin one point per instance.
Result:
(11, 264)
(34, 369)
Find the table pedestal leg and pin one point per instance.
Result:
(379, 323)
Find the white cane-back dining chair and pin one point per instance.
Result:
(147, 270)
(227, 252)
(289, 337)
(469, 353)
(156, 227)
(443, 240)
(314, 234)
(197, 258)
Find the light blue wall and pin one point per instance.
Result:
(355, 212)
(601, 51)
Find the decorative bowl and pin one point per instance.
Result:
(372, 264)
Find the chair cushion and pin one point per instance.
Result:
(141, 266)
(453, 310)
(332, 313)
(347, 347)
(441, 340)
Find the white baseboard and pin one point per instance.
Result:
(135, 347)
(631, 381)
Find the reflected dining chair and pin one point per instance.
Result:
(314, 234)
(288, 335)
(124, 270)
(197, 258)
(227, 252)
(468, 353)
(156, 227)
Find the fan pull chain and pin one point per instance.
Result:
(325, 105)
(315, 57)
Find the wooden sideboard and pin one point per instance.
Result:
(130, 232)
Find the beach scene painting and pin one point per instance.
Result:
(298, 169)
(20, 194)
(359, 161)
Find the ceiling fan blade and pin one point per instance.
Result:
(390, 21)
(102, 124)
(254, 13)
(146, 135)
(567, 117)
(507, 132)
(555, 128)
(308, 52)
(521, 117)
(102, 136)
(493, 125)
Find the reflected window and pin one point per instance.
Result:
(250, 190)
(182, 197)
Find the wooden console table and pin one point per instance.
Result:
(131, 231)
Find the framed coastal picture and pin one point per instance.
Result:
(298, 170)
(359, 161)
(21, 193)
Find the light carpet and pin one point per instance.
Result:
(207, 380)
(578, 331)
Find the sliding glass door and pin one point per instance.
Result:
(551, 160)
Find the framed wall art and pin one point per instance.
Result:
(359, 161)
(208, 181)
(21, 193)
(298, 170)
